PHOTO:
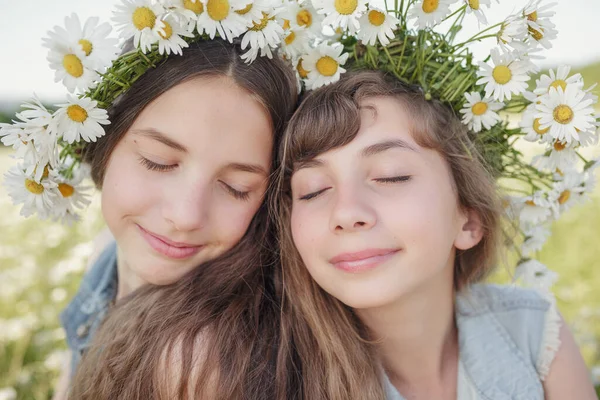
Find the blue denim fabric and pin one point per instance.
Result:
(82, 317)
(500, 333)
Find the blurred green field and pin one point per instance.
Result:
(41, 263)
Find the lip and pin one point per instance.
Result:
(363, 260)
(169, 248)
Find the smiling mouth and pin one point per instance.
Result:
(168, 248)
(362, 260)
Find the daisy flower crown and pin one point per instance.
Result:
(50, 179)
(489, 95)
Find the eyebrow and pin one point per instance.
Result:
(160, 137)
(251, 168)
(386, 145)
(313, 163)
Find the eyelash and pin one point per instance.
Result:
(394, 179)
(152, 166)
(244, 196)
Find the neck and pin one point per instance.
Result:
(128, 280)
(417, 335)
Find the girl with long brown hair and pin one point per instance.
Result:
(389, 221)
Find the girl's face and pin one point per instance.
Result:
(377, 218)
(183, 184)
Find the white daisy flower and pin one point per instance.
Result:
(377, 24)
(559, 155)
(263, 33)
(73, 196)
(324, 65)
(536, 275)
(535, 209)
(566, 113)
(530, 125)
(341, 13)
(36, 197)
(80, 119)
(560, 78)
(566, 192)
(255, 10)
(539, 26)
(535, 238)
(295, 43)
(254, 52)
(304, 16)
(474, 7)
(99, 50)
(589, 178)
(69, 68)
(186, 11)
(139, 19)
(480, 112)
(170, 35)
(506, 77)
(220, 16)
(513, 33)
(429, 13)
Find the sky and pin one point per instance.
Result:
(24, 69)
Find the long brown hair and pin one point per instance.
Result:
(321, 337)
(214, 331)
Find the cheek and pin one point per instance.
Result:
(308, 232)
(230, 220)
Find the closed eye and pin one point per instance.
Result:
(244, 196)
(152, 166)
(312, 195)
(393, 179)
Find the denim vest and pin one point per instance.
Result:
(83, 315)
(507, 338)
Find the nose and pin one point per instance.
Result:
(351, 212)
(187, 206)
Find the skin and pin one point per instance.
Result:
(186, 172)
(399, 198)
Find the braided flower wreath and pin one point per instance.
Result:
(317, 38)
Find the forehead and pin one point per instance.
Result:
(208, 115)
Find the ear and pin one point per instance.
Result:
(471, 231)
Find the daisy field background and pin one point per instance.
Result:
(41, 262)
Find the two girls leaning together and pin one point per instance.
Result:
(338, 260)
(335, 254)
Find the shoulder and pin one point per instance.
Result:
(527, 317)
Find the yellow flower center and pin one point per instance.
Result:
(73, 65)
(66, 190)
(558, 171)
(168, 31)
(289, 39)
(259, 26)
(564, 197)
(304, 18)
(327, 66)
(87, 47)
(286, 24)
(430, 6)
(197, 7)
(245, 10)
(34, 187)
(77, 113)
(218, 9)
(537, 129)
(479, 108)
(502, 74)
(530, 203)
(537, 35)
(345, 7)
(376, 18)
(474, 4)
(143, 17)
(563, 114)
(558, 83)
(559, 146)
(533, 16)
(301, 71)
